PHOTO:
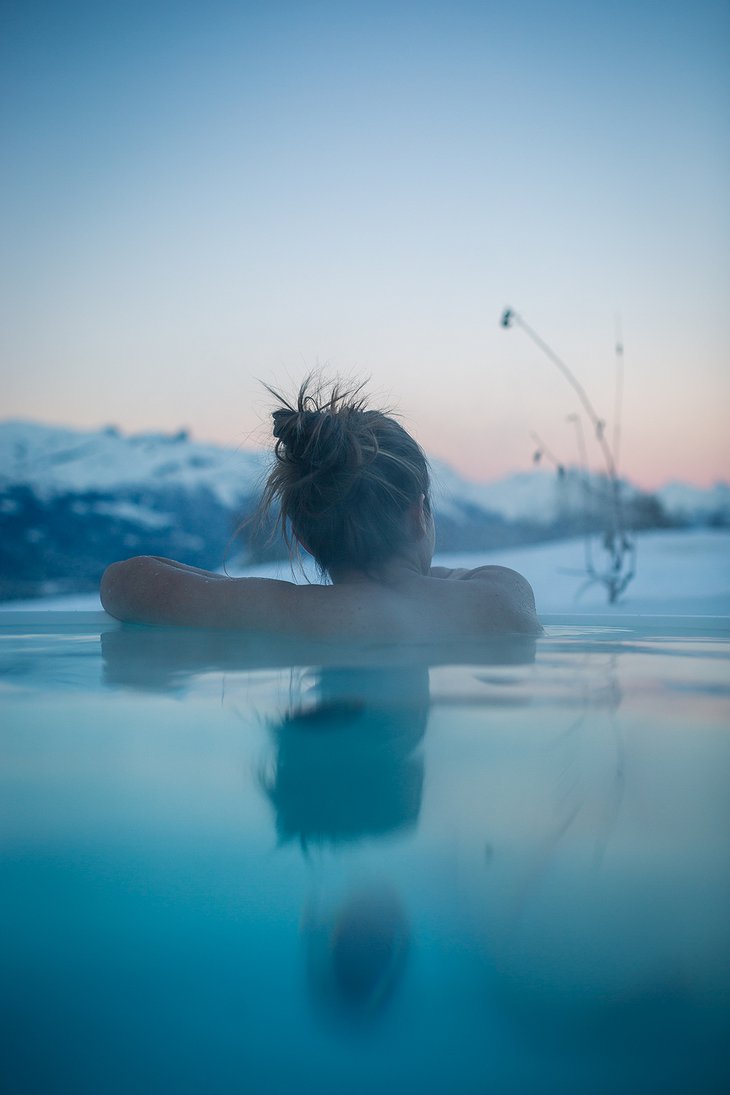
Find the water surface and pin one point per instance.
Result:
(234, 864)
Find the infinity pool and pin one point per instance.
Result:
(237, 865)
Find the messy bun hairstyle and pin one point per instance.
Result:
(344, 476)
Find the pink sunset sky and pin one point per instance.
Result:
(200, 198)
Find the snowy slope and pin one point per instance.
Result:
(688, 502)
(533, 494)
(55, 459)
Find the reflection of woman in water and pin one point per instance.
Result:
(348, 768)
(352, 486)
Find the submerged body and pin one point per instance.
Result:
(352, 487)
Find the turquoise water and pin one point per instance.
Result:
(237, 865)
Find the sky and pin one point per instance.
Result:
(197, 198)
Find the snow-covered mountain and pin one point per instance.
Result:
(72, 500)
(534, 495)
(54, 460)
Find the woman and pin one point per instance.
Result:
(352, 487)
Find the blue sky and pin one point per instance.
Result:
(199, 197)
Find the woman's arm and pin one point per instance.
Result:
(151, 590)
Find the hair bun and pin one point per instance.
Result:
(283, 420)
(300, 433)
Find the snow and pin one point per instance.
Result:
(533, 494)
(130, 511)
(678, 573)
(685, 500)
(55, 459)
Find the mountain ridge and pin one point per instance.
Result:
(56, 458)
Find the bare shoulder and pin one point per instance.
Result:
(506, 597)
(483, 573)
(498, 575)
(495, 575)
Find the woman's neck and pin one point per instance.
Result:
(400, 568)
